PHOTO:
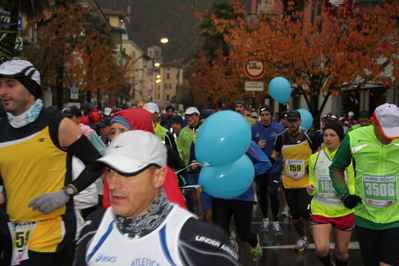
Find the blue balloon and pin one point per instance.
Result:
(223, 138)
(307, 119)
(228, 181)
(280, 89)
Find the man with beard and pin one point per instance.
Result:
(264, 133)
(36, 148)
(296, 146)
(239, 107)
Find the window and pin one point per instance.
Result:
(167, 97)
(167, 75)
(168, 86)
(156, 53)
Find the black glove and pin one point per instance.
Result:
(272, 160)
(351, 201)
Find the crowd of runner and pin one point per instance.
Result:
(62, 170)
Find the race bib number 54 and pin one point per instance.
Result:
(20, 234)
(380, 191)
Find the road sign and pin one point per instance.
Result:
(74, 93)
(254, 86)
(6, 18)
(255, 69)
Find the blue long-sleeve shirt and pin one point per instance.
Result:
(261, 164)
(269, 134)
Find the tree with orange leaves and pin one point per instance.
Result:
(213, 81)
(74, 55)
(346, 51)
(93, 69)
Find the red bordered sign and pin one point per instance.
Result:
(255, 69)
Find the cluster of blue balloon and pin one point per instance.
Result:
(222, 141)
(280, 91)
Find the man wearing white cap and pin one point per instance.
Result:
(160, 131)
(36, 147)
(374, 151)
(351, 120)
(186, 137)
(142, 227)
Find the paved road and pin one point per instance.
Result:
(279, 250)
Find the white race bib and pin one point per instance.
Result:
(325, 187)
(380, 190)
(295, 168)
(20, 234)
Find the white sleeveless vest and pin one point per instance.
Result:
(160, 247)
(326, 193)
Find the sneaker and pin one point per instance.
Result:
(233, 241)
(277, 229)
(286, 212)
(265, 225)
(301, 244)
(257, 252)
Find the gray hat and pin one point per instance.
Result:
(240, 101)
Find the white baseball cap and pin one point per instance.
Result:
(350, 113)
(134, 151)
(151, 107)
(191, 110)
(107, 111)
(386, 116)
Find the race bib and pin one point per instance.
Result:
(325, 187)
(380, 191)
(295, 168)
(20, 234)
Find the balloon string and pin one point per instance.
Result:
(191, 186)
(288, 107)
(199, 164)
(187, 167)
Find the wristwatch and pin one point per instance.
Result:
(69, 190)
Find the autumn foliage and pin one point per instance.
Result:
(321, 58)
(69, 54)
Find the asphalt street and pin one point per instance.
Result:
(279, 250)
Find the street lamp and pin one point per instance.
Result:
(157, 64)
(368, 6)
(164, 40)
